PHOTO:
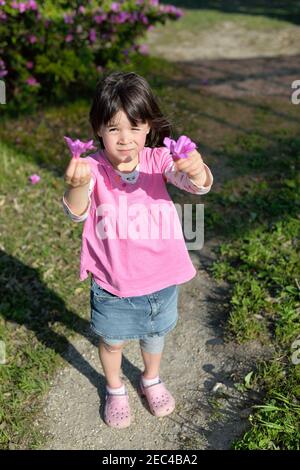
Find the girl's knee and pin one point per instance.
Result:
(111, 347)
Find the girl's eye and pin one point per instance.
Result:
(114, 129)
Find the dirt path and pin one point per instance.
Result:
(196, 357)
(226, 40)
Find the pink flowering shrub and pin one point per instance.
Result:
(45, 55)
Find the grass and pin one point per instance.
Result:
(273, 9)
(198, 20)
(41, 299)
(262, 264)
(195, 25)
(275, 424)
(255, 212)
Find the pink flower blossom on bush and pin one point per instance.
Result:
(171, 9)
(93, 35)
(69, 38)
(31, 5)
(122, 23)
(144, 19)
(69, 19)
(144, 49)
(23, 6)
(32, 81)
(121, 17)
(100, 18)
(115, 6)
(3, 71)
(32, 39)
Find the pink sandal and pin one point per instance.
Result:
(117, 411)
(160, 400)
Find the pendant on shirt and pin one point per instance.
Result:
(118, 179)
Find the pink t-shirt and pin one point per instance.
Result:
(132, 240)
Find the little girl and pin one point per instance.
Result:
(120, 192)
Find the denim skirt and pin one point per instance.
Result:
(137, 317)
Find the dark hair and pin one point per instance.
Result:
(131, 93)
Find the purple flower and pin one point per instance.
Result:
(78, 147)
(93, 35)
(100, 18)
(2, 3)
(69, 19)
(122, 17)
(180, 148)
(34, 179)
(22, 7)
(144, 49)
(134, 17)
(171, 10)
(69, 38)
(32, 39)
(32, 81)
(144, 19)
(81, 9)
(115, 6)
(32, 4)
(29, 65)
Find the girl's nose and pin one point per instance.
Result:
(125, 137)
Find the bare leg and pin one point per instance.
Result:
(152, 363)
(111, 359)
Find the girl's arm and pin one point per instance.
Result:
(201, 185)
(76, 203)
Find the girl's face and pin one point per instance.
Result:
(121, 140)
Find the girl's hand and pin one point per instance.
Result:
(78, 173)
(193, 166)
